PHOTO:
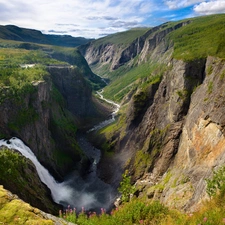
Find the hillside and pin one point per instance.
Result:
(123, 63)
(11, 32)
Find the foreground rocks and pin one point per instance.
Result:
(14, 211)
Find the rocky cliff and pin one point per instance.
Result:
(28, 186)
(173, 136)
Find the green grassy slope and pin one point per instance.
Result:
(121, 38)
(203, 37)
(14, 53)
(199, 38)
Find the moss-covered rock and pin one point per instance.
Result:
(14, 211)
(19, 175)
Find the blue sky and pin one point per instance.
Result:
(97, 18)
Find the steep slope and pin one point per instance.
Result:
(103, 54)
(170, 133)
(28, 186)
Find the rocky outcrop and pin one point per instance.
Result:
(14, 211)
(161, 125)
(201, 147)
(27, 186)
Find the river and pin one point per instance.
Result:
(112, 117)
(87, 192)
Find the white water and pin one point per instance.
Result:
(60, 191)
(109, 121)
(90, 193)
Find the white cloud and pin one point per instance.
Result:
(211, 7)
(176, 4)
(89, 16)
(92, 18)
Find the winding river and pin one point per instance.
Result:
(112, 119)
(89, 192)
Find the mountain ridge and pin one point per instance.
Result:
(12, 32)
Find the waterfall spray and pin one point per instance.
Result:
(91, 193)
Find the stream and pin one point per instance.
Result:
(88, 192)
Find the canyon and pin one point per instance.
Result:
(168, 133)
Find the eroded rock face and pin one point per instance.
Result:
(184, 134)
(78, 96)
(158, 133)
(114, 56)
(201, 148)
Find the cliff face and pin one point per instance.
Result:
(201, 145)
(174, 132)
(78, 96)
(116, 55)
(28, 118)
(181, 136)
(28, 186)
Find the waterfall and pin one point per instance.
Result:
(90, 193)
(60, 191)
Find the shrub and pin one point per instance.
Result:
(126, 189)
(217, 183)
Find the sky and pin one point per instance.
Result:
(98, 18)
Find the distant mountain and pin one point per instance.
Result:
(11, 32)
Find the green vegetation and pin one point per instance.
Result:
(222, 75)
(142, 211)
(161, 185)
(12, 32)
(23, 117)
(138, 76)
(216, 183)
(15, 211)
(125, 188)
(142, 159)
(202, 37)
(15, 81)
(122, 38)
(13, 55)
(210, 87)
(10, 165)
(183, 94)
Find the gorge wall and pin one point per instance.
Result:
(174, 142)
